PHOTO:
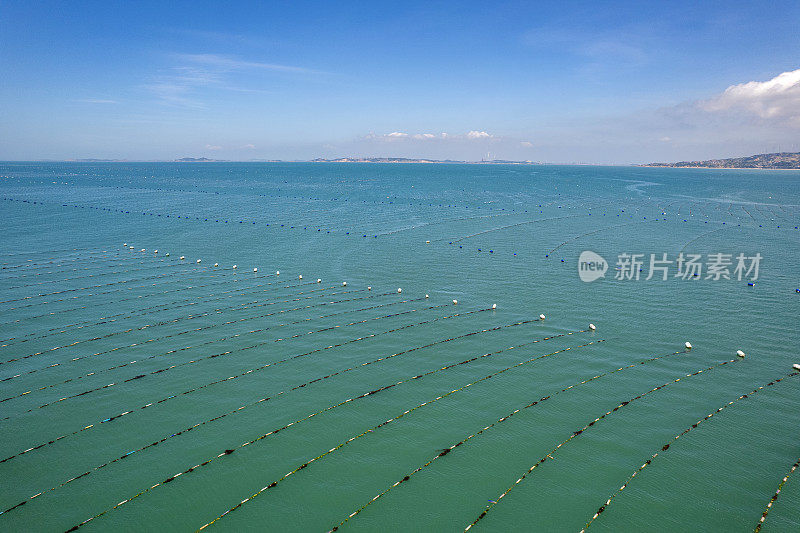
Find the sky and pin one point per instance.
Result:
(562, 82)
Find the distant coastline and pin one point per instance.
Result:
(773, 161)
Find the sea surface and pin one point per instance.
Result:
(122, 366)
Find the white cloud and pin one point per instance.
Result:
(249, 146)
(213, 147)
(424, 136)
(665, 139)
(397, 134)
(526, 144)
(474, 134)
(778, 98)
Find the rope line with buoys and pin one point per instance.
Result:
(89, 287)
(297, 469)
(207, 343)
(200, 359)
(584, 428)
(382, 424)
(244, 290)
(508, 226)
(775, 496)
(267, 365)
(176, 320)
(666, 446)
(447, 450)
(160, 264)
(589, 233)
(220, 310)
(267, 398)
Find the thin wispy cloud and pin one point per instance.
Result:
(233, 63)
(96, 101)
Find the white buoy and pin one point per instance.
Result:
(455, 302)
(198, 261)
(344, 284)
(592, 327)
(300, 276)
(234, 267)
(166, 254)
(255, 270)
(277, 272)
(427, 296)
(541, 317)
(182, 258)
(319, 280)
(369, 288)
(740, 353)
(399, 290)
(216, 265)
(494, 306)
(688, 345)
(796, 366)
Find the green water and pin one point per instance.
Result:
(497, 235)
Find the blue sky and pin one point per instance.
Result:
(561, 81)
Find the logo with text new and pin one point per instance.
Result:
(591, 266)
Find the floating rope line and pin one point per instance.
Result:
(382, 424)
(589, 233)
(584, 428)
(177, 350)
(433, 223)
(200, 359)
(775, 496)
(160, 264)
(267, 365)
(245, 290)
(445, 451)
(173, 335)
(114, 291)
(64, 250)
(221, 310)
(269, 302)
(257, 402)
(32, 270)
(666, 446)
(508, 226)
(89, 287)
(130, 314)
(701, 236)
(295, 470)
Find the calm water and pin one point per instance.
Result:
(82, 314)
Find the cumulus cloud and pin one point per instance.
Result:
(474, 134)
(430, 137)
(775, 99)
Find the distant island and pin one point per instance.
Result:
(780, 160)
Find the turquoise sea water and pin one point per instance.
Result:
(168, 343)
